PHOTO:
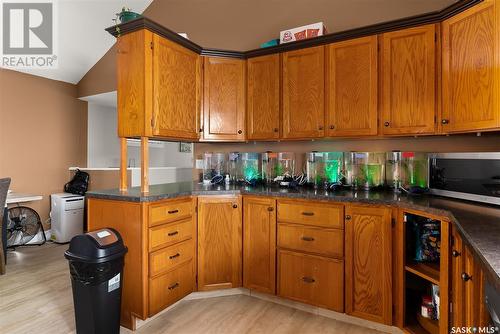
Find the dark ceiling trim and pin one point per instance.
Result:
(428, 18)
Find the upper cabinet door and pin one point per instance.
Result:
(224, 99)
(408, 62)
(351, 88)
(263, 90)
(176, 90)
(303, 93)
(470, 69)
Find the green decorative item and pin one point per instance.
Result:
(278, 169)
(127, 15)
(332, 171)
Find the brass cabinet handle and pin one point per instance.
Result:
(348, 217)
(455, 253)
(276, 130)
(307, 238)
(171, 234)
(240, 132)
(320, 128)
(170, 212)
(270, 209)
(173, 286)
(174, 256)
(386, 124)
(445, 121)
(308, 279)
(201, 130)
(235, 206)
(332, 127)
(466, 277)
(307, 213)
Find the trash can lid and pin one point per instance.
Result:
(96, 246)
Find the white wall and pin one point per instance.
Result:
(104, 146)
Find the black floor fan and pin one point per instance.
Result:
(23, 224)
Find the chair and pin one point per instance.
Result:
(4, 187)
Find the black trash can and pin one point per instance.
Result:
(96, 268)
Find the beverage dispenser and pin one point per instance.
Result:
(393, 175)
(214, 167)
(251, 167)
(415, 171)
(365, 170)
(269, 162)
(324, 169)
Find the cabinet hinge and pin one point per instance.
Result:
(393, 222)
(435, 119)
(435, 37)
(151, 45)
(196, 279)
(153, 122)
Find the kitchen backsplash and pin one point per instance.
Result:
(487, 142)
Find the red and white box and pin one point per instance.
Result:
(304, 32)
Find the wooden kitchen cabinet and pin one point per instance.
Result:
(219, 242)
(368, 262)
(159, 87)
(224, 99)
(259, 244)
(351, 87)
(263, 97)
(467, 292)
(471, 57)
(303, 93)
(408, 81)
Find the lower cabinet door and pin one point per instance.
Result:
(368, 263)
(219, 242)
(259, 244)
(311, 279)
(166, 289)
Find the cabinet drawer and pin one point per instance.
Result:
(311, 213)
(311, 279)
(329, 242)
(170, 211)
(170, 257)
(169, 234)
(170, 287)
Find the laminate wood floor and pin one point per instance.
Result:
(35, 297)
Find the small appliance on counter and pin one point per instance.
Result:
(324, 169)
(469, 176)
(365, 170)
(214, 167)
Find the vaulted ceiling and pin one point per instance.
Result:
(225, 24)
(245, 24)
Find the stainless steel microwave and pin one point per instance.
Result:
(469, 176)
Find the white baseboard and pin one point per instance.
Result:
(281, 301)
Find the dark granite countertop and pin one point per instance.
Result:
(478, 224)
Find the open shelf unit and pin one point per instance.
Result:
(419, 276)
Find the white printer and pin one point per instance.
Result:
(66, 213)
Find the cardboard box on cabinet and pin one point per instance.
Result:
(304, 32)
